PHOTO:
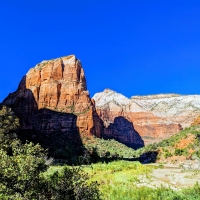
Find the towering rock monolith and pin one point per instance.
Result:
(52, 103)
(57, 85)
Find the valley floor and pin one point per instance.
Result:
(170, 175)
(125, 180)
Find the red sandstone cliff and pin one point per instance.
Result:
(58, 85)
(54, 107)
(151, 128)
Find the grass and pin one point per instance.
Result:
(118, 181)
(117, 178)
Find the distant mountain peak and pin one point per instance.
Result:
(107, 90)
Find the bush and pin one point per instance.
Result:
(71, 184)
(20, 171)
(167, 154)
(179, 152)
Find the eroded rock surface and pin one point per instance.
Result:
(57, 85)
(123, 131)
(52, 100)
(155, 117)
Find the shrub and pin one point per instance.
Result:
(179, 152)
(20, 171)
(72, 183)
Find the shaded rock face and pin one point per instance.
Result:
(155, 117)
(123, 131)
(151, 128)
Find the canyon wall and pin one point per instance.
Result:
(155, 117)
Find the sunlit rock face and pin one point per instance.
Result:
(155, 117)
(58, 85)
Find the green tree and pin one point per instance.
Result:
(20, 171)
(8, 125)
(71, 184)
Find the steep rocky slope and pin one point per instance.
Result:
(196, 121)
(155, 117)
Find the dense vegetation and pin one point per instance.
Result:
(23, 164)
(25, 173)
(102, 150)
(186, 143)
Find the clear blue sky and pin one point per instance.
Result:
(135, 47)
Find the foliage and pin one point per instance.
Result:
(20, 171)
(111, 175)
(101, 149)
(8, 125)
(71, 183)
(131, 192)
(166, 153)
(178, 152)
(118, 181)
(167, 148)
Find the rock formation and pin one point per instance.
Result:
(122, 130)
(57, 85)
(55, 109)
(155, 117)
(52, 98)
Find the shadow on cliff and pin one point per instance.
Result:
(123, 131)
(55, 131)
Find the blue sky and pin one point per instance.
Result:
(135, 47)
